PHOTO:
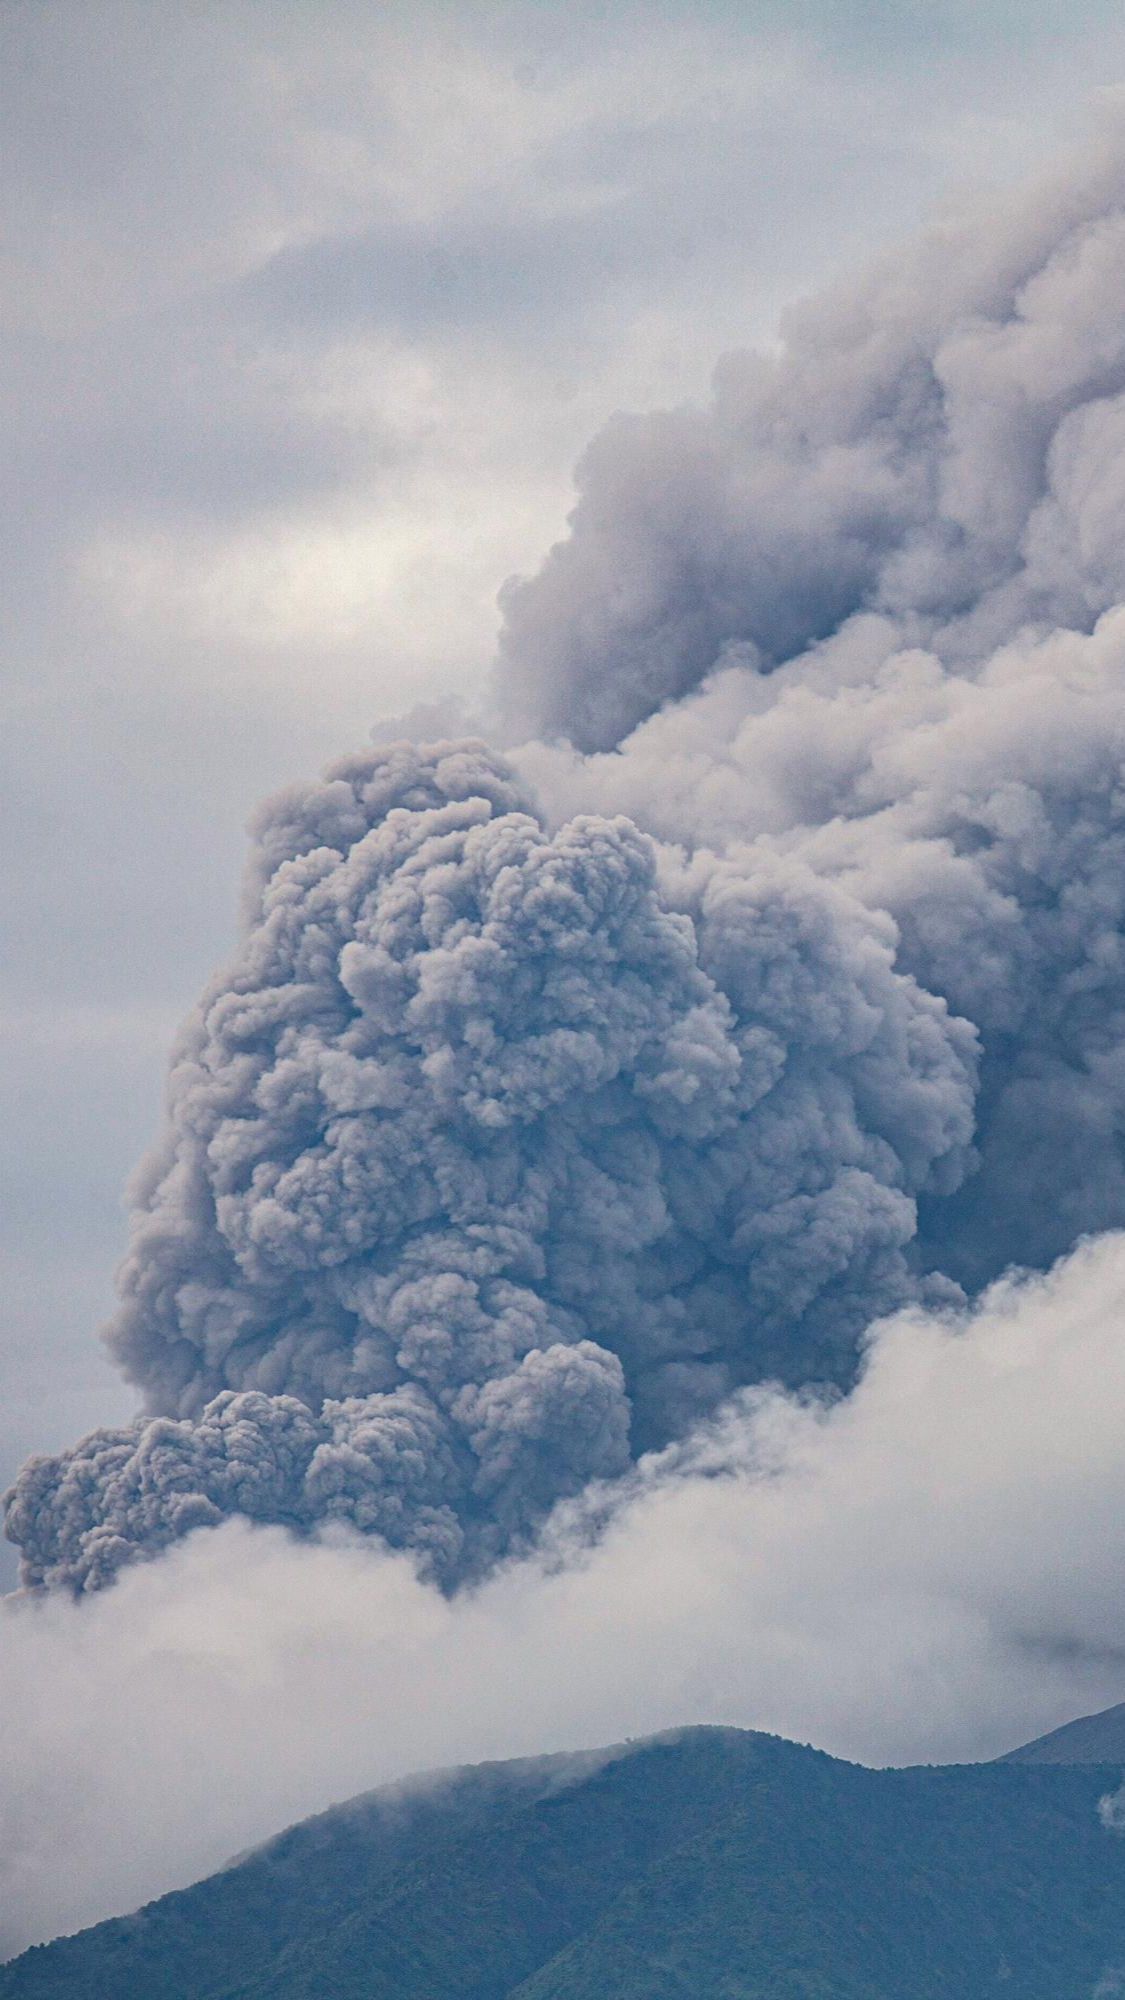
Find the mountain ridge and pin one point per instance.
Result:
(1089, 1739)
(704, 1864)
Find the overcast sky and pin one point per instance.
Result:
(308, 312)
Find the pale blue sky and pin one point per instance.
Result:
(309, 311)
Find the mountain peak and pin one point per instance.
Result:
(1089, 1739)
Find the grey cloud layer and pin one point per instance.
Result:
(491, 1161)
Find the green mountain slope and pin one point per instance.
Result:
(711, 1865)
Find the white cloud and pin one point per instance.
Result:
(930, 1569)
(1111, 1810)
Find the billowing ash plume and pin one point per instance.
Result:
(492, 1159)
(883, 574)
(517, 1136)
(984, 813)
(941, 440)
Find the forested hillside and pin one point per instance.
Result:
(711, 1865)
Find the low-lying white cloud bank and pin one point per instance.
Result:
(926, 1569)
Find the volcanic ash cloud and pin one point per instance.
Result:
(865, 610)
(521, 1135)
(492, 1160)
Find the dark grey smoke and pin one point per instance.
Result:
(493, 1159)
(940, 440)
(984, 813)
(932, 474)
(517, 1137)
